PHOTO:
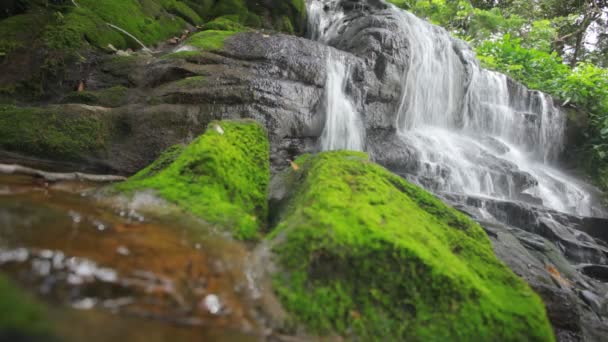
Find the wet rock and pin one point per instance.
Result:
(599, 272)
(394, 153)
(545, 248)
(277, 80)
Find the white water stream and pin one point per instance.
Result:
(343, 128)
(476, 133)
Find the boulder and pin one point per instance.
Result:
(364, 254)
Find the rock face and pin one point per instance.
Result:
(277, 80)
(555, 254)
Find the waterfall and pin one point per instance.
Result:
(479, 133)
(475, 132)
(343, 128)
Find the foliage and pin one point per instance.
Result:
(370, 256)
(222, 177)
(537, 69)
(585, 86)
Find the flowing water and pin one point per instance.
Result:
(107, 265)
(343, 128)
(475, 132)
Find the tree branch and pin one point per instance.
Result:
(58, 176)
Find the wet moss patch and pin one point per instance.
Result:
(111, 97)
(222, 177)
(52, 132)
(365, 254)
(211, 40)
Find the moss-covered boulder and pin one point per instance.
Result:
(222, 177)
(70, 132)
(22, 318)
(365, 254)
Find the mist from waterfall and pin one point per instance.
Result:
(474, 131)
(343, 128)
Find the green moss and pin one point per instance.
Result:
(185, 12)
(52, 132)
(255, 14)
(193, 81)
(367, 255)
(161, 163)
(186, 55)
(111, 97)
(230, 7)
(225, 23)
(220, 177)
(202, 7)
(22, 317)
(299, 18)
(121, 66)
(148, 21)
(286, 25)
(16, 31)
(211, 40)
(68, 28)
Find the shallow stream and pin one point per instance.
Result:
(112, 272)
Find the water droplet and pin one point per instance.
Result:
(212, 304)
(122, 250)
(84, 304)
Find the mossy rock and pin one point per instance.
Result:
(22, 318)
(67, 27)
(210, 40)
(225, 23)
(222, 177)
(61, 132)
(273, 14)
(367, 255)
(111, 97)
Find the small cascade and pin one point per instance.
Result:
(343, 128)
(478, 132)
(474, 131)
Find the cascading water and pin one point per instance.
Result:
(343, 128)
(477, 133)
(474, 131)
